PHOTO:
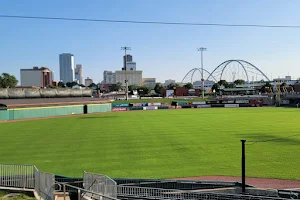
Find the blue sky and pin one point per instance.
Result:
(164, 52)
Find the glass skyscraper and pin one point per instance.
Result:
(66, 67)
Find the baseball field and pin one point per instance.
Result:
(160, 144)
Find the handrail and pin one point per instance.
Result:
(87, 191)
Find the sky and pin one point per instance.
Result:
(161, 51)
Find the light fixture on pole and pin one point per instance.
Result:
(202, 75)
(126, 78)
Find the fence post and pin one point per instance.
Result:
(79, 195)
(243, 167)
(64, 192)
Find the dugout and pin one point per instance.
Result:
(3, 107)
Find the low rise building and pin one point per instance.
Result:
(133, 77)
(168, 82)
(88, 81)
(109, 77)
(149, 82)
(207, 85)
(39, 77)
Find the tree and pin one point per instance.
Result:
(239, 82)
(8, 81)
(132, 87)
(189, 86)
(158, 87)
(231, 85)
(216, 87)
(284, 85)
(224, 83)
(172, 85)
(144, 90)
(116, 87)
(61, 84)
(267, 88)
(93, 86)
(268, 84)
(71, 84)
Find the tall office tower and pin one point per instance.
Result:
(78, 73)
(129, 59)
(66, 67)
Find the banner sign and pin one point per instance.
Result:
(212, 102)
(121, 105)
(137, 105)
(242, 101)
(204, 106)
(231, 105)
(169, 93)
(227, 101)
(119, 109)
(154, 104)
(150, 108)
(199, 103)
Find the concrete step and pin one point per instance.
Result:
(61, 196)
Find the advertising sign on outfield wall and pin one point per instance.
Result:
(199, 103)
(245, 101)
(204, 106)
(121, 105)
(154, 104)
(119, 109)
(224, 101)
(231, 105)
(137, 105)
(150, 108)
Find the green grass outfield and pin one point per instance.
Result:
(159, 144)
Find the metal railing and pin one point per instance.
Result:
(82, 192)
(17, 176)
(44, 184)
(100, 184)
(157, 193)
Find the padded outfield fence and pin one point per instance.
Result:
(52, 111)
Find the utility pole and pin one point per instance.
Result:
(243, 166)
(126, 77)
(202, 74)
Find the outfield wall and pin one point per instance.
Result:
(51, 111)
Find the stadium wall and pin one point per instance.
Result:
(51, 111)
(22, 93)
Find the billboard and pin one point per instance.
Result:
(169, 93)
(231, 105)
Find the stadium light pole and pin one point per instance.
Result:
(126, 77)
(202, 75)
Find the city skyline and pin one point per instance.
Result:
(161, 51)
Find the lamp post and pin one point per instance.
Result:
(202, 75)
(126, 78)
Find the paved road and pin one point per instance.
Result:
(11, 102)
